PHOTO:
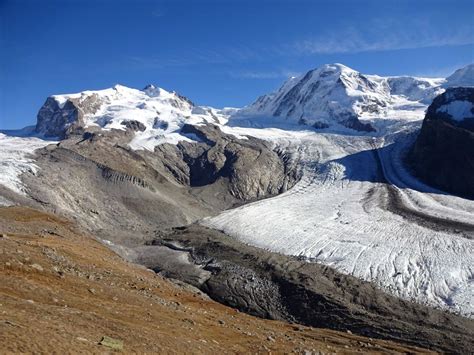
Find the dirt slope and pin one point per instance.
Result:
(61, 291)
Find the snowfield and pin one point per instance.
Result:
(358, 210)
(335, 93)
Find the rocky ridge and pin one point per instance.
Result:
(443, 152)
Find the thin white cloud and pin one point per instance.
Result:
(156, 63)
(385, 35)
(382, 34)
(277, 74)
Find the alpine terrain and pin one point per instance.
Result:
(342, 201)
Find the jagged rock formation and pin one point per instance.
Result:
(443, 154)
(58, 120)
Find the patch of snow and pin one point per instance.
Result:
(458, 110)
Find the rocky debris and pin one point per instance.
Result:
(443, 154)
(281, 287)
(37, 267)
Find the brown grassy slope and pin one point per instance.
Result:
(61, 291)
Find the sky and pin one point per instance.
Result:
(217, 53)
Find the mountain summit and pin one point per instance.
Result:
(461, 77)
(337, 94)
(155, 114)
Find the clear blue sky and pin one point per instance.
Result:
(219, 53)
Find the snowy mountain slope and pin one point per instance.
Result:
(155, 114)
(461, 77)
(337, 94)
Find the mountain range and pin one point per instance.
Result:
(340, 200)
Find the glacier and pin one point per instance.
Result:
(356, 208)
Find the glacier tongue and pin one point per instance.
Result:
(15, 158)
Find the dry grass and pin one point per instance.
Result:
(61, 291)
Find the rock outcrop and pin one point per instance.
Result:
(443, 155)
(120, 193)
(58, 119)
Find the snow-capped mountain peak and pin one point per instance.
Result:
(336, 94)
(155, 114)
(461, 77)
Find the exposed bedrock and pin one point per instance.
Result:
(96, 179)
(55, 120)
(276, 286)
(443, 154)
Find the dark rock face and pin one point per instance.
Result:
(250, 167)
(351, 121)
(134, 125)
(443, 154)
(54, 120)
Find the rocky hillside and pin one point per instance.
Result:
(443, 154)
(119, 192)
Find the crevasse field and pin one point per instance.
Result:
(359, 210)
